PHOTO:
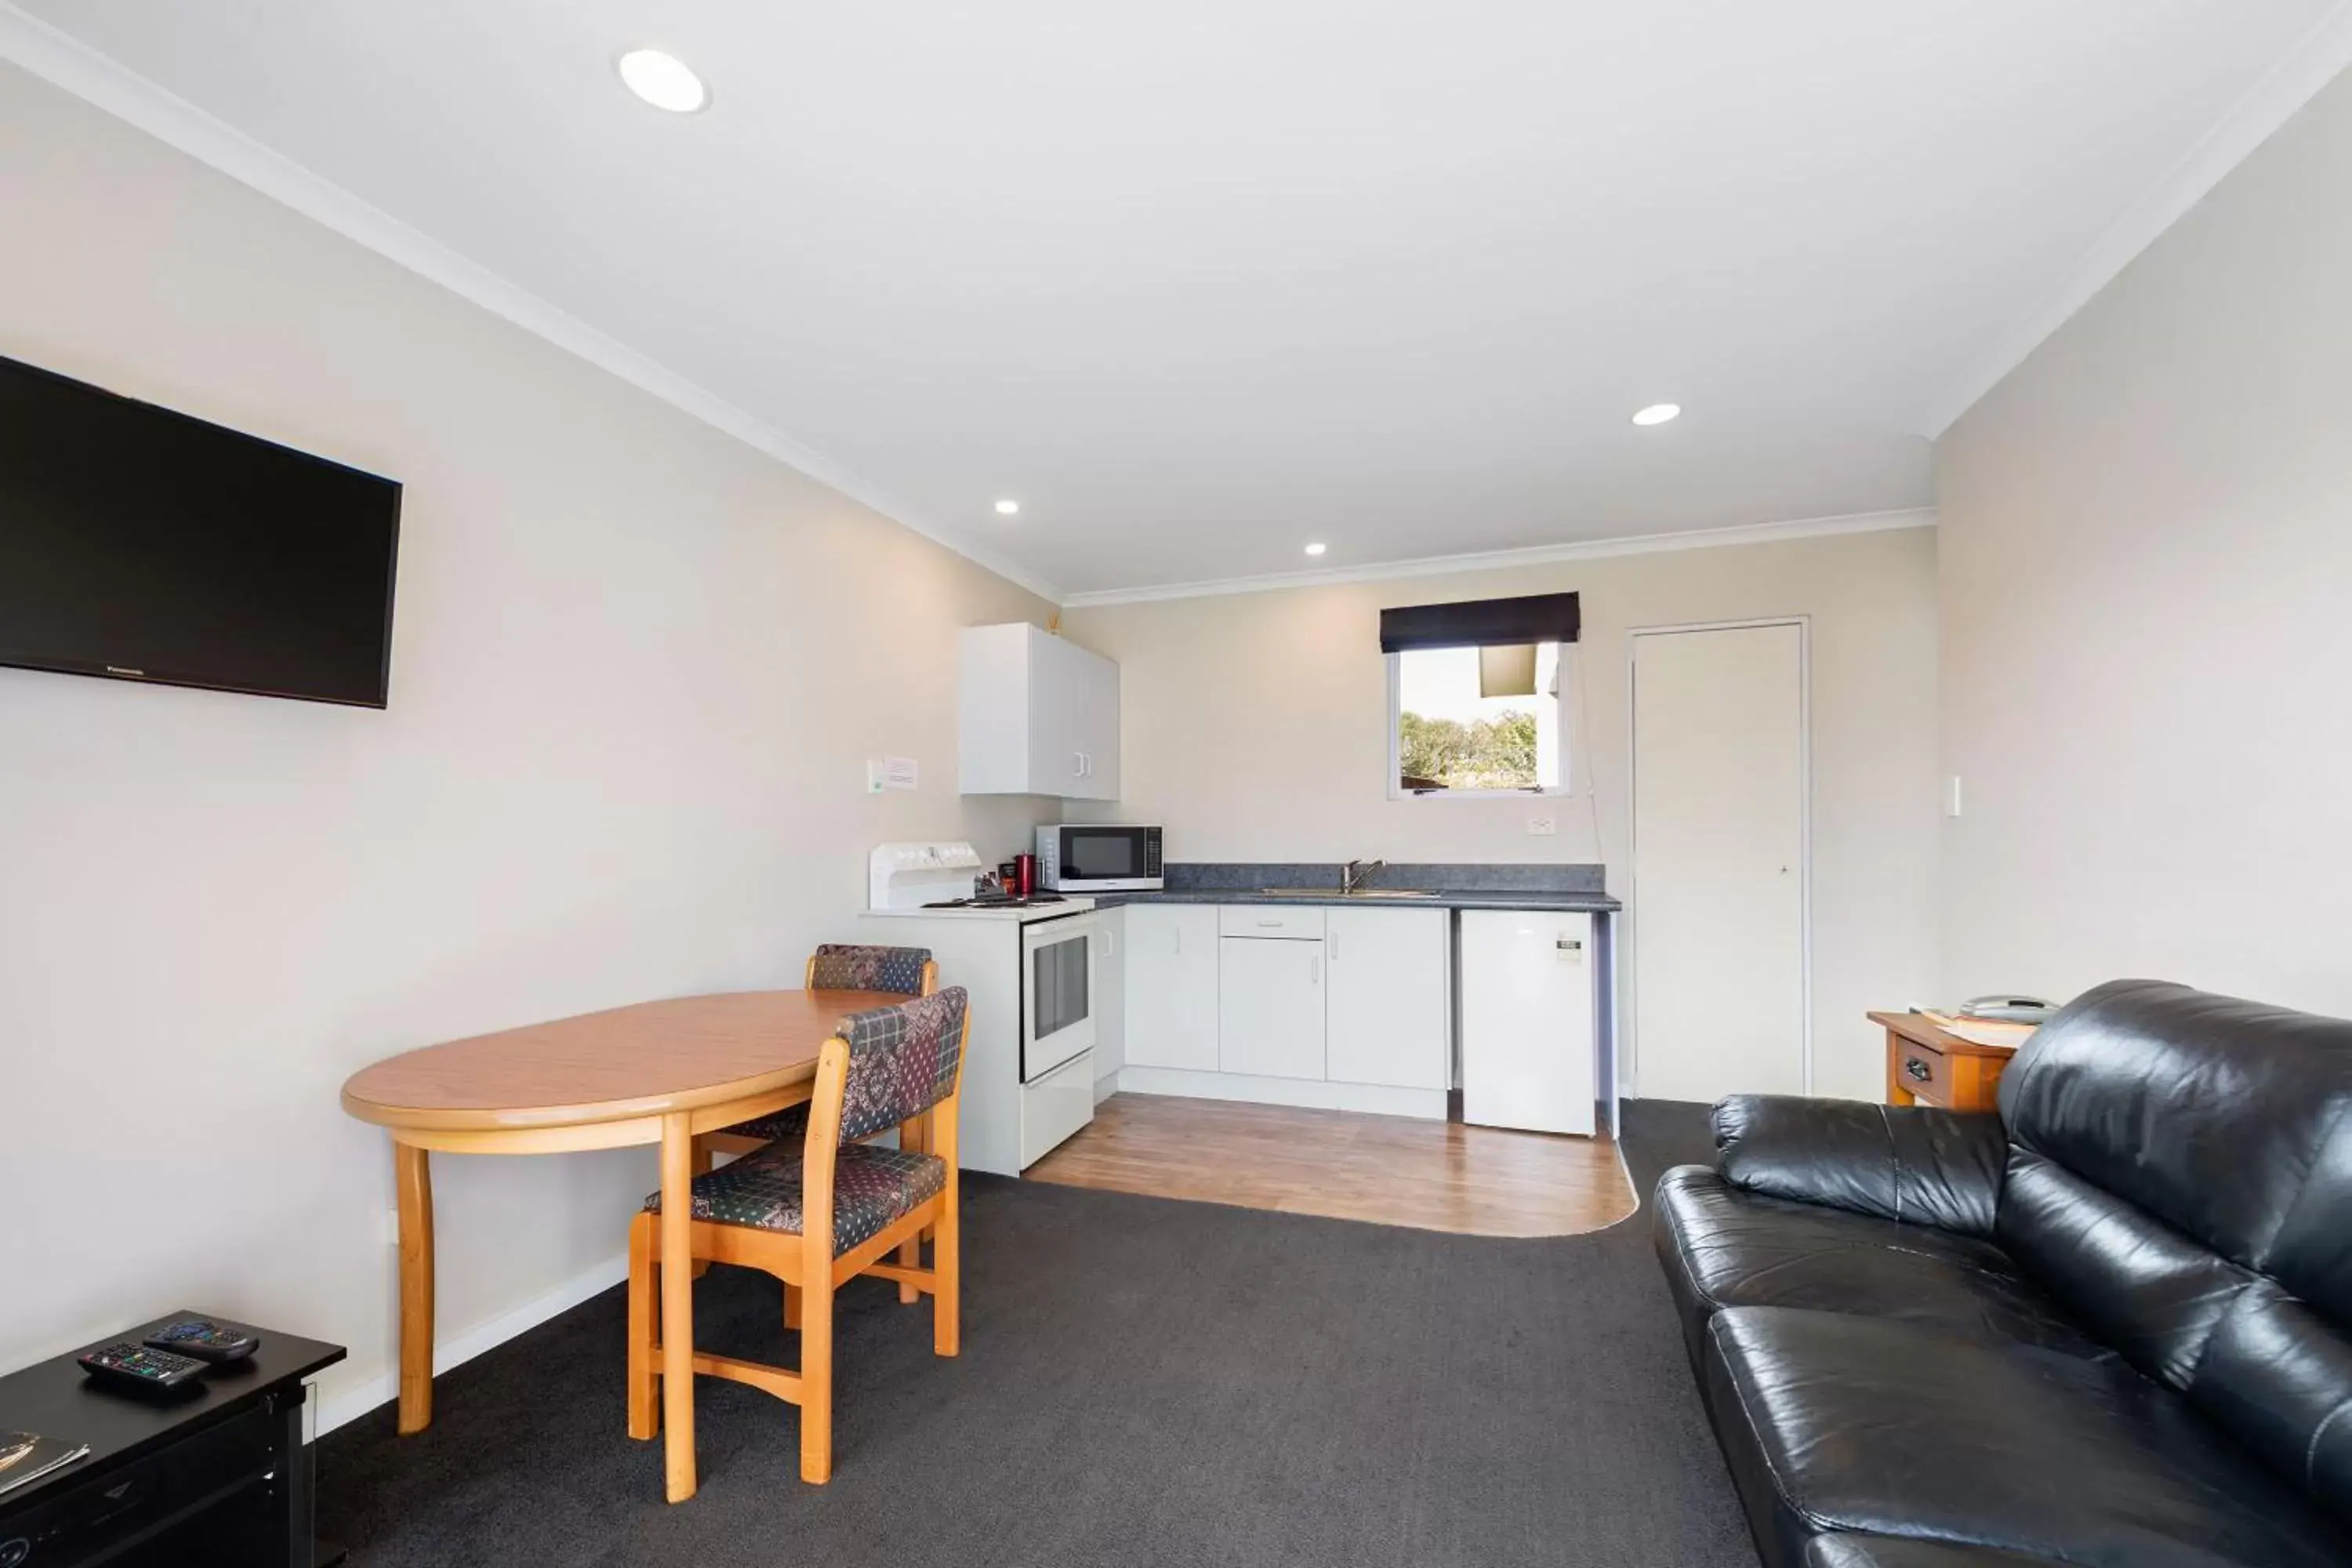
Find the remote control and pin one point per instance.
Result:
(127, 1365)
(205, 1340)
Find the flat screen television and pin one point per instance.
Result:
(142, 545)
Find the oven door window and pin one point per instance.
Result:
(1102, 854)
(1059, 984)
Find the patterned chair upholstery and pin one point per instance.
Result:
(842, 966)
(871, 1186)
(902, 1061)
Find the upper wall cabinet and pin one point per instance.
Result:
(1039, 715)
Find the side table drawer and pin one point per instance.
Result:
(1921, 1071)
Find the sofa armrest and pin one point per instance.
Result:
(1913, 1163)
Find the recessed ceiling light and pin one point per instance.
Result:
(1658, 413)
(663, 81)
(1316, 549)
(1007, 507)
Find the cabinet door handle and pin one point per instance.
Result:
(1180, 939)
(1332, 944)
(1314, 968)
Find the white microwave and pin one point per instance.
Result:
(1085, 858)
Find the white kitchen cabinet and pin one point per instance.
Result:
(1111, 993)
(1389, 1017)
(1270, 1006)
(1170, 980)
(1527, 1020)
(1036, 715)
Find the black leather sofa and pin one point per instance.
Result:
(2110, 1325)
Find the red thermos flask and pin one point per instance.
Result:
(1024, 876)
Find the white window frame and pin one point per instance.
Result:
(1571, 672)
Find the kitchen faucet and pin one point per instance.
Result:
(1356, 873)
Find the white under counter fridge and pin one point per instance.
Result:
(1530, 994)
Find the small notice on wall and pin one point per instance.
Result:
(889, 772)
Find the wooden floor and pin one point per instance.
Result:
(1391, 1169)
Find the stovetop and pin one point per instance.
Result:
(1000, 902)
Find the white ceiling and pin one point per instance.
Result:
(1200, 283)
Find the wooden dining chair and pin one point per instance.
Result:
(834, 966)
(819, 1211)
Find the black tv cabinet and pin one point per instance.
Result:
(215, 1474)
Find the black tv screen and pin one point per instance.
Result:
(145, 545)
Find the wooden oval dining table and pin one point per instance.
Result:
(654, 1072)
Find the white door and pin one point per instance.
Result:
(1170, 959)
(1270, 1006)
(1717, 904)
(1527, 1020)
(1387, 1016)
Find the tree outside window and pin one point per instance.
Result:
(1464, 727)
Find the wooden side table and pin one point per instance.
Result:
(1927, 1065)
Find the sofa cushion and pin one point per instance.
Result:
(1833, 1422)
(2179, 1178)
(1723, 1247)
(1841, 1548)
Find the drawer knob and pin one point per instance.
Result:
(1918, 1068)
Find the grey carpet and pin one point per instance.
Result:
(1143, 1382)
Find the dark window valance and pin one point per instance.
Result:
(1480, 623)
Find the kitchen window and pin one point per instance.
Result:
(1481, 695)
(1479, 721)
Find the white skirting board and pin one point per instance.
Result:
(348, 1405)
(1429, 1104)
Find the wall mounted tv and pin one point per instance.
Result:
(145, 545)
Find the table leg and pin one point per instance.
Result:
(413, 1179)
(678, 1305)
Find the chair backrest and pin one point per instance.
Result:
(2180, 1176)
(902, 1061)
(847, 966)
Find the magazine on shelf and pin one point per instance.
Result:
(28, 1457)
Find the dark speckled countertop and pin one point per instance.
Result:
(1451, 886)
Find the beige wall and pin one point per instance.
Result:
(2147, 549)
(1256, 730)
(637, 669)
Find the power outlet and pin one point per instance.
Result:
(1542, 826)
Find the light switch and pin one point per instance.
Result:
(1952, 795)
(1543, 826)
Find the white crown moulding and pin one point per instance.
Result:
(1532, 555)
(2316, 60)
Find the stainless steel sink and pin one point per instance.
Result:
(1335, 893)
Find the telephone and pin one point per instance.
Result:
(2007, 1009)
